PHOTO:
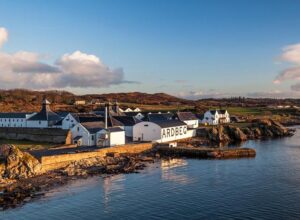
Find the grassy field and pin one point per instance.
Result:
(28, 145)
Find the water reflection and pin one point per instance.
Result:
(169, 173)
(112, 184)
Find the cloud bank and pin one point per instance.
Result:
(25, 69)
(291, 54)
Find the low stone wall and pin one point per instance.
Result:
(50, 135)
(59, 161)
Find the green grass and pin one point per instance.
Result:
(245, 111)
(28, 145)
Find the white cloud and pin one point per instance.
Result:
(291, 54)
(3, 36)
(76, 70)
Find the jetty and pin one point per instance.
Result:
(205, 152)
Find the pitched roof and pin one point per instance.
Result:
(222, 111)
(169, 123)
(13, 115)
(93, 127)
(114, 129)
(127, 120)
(153, 117)
(132, 113)
(46, 114)
(186, 116)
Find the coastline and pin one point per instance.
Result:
(21, 190)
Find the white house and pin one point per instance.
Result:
(95, 134)
(161, 131)
(189, 118)
(84, 134)
(45, 118)
(215, 117)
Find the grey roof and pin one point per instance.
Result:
(93, 127)
(45, 114)
(127, 120)
(132, 113)
(222, 111)
(13, 115)
(169, 123)
(77, 138)
(62, 114)
(185, 116)
(114, 129)
(153, 117)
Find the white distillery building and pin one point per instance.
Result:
(14, 119)
(95, 134)
(215, 117)
(45, 118)
(189, 118)
(161, 131)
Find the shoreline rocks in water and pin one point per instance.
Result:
(258, 129)
(25, 181)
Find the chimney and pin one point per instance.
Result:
(105, 116)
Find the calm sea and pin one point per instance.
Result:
(265, 187)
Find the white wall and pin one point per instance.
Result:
(174, 133)
(113, 138)
(155, 133)
(146, 131)
(69, 122)
(87, 138)
(37, 124)
(13, 122)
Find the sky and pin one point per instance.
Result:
(192, 49)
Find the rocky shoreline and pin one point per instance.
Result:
(228, 134)
(22, 180)
(16, 192)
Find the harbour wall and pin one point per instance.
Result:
(58, 161)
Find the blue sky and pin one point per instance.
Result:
(187, 48)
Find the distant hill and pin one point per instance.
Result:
(22, 100)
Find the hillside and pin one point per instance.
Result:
(27, 100)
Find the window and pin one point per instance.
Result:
(92, 137)
(146, 125)
(39, 122)
(78, 129)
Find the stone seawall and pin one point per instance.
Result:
(206, 153)
(59, 161)
(50, 135)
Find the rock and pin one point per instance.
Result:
(236, 134)
(17, 164)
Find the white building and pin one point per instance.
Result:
(94, 134)
(110, 137)
(80, 102)
(189, 118)
(128, 110)
(161, 131)
(45, 118)
(215, 117)
(137, 110)
(14, 119)
(126, 123)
